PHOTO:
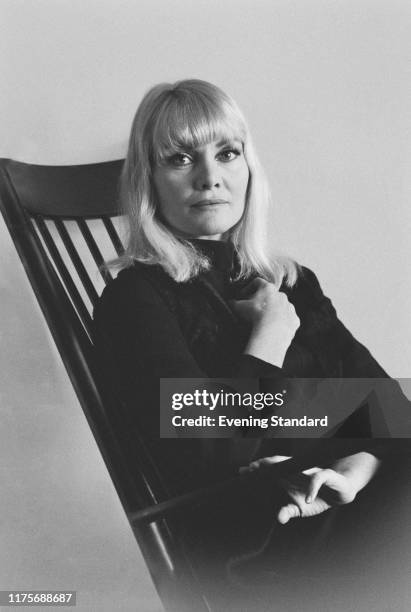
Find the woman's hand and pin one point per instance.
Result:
(316, 490)
(273, 319)
(304, 488)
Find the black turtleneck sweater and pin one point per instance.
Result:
(161, 328)
(147, 327)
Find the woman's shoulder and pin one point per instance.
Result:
(308, 298)
(137, 283)
(306, 285)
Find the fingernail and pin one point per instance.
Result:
(308, 499)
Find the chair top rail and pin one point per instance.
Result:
(87, 190)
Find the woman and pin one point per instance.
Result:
(200, 296)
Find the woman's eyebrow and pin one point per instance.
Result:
(228, 141)
(179, 148)
(191, 149)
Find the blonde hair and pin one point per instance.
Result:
(191, 113)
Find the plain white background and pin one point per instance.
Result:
(326, 88)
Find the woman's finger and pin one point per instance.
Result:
(271, 460)
(317, 481)
(287, 513)
(311, 471)
(264, 462)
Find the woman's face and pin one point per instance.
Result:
(201, 192)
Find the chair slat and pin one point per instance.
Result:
(114, 237)
(64, 273)
(94, 250)
(77, 262)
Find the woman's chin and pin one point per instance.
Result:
(212, 229)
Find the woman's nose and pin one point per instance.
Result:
(207, 175)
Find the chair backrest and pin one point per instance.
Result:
(74, 211)
(64, 223)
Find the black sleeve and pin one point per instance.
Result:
(388, 405)
(135, 322)
(355, 358)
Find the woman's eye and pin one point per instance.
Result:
(229, 154)
(180, 159)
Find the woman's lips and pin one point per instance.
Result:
(209, 203)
